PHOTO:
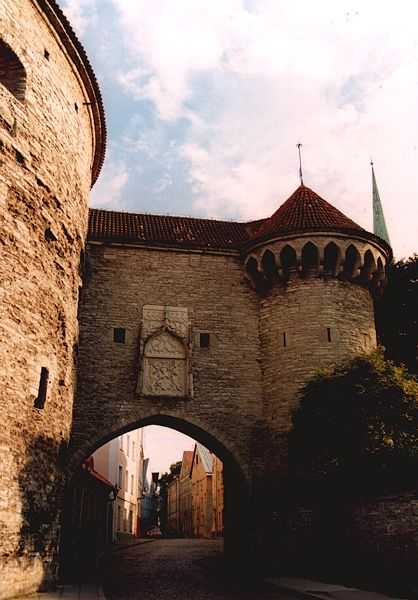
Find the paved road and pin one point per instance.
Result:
(177, 570)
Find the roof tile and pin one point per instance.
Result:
(305, 211)
(158, 229)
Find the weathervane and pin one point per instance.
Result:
(299, 146)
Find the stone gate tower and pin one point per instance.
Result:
(184, 340)
(315, 271)
(52, 137)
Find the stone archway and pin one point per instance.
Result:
(237, 487)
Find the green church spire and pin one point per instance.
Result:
(379, 225)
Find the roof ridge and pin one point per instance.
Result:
(305, 210)
(169, 216)
(206, 457)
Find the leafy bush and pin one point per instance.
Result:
(397, 314)
(356, 428)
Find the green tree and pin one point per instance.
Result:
(397, 314)
(356, 428)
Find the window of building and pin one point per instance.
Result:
(126, 480)
(329, 334)
(127, 446)
(204, 340)
(132, 484)
(12, 72)
(131, 518)
(121, 442)
(119, 335)
(284, 339)
(133, 449)
(50, 235)
(120, 478)
(42, 389)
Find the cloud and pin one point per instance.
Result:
(253, 77)
(81, 14)
(107, 193)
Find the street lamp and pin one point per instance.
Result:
(113, 494)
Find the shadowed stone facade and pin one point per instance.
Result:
(49, 142)
(205, 326)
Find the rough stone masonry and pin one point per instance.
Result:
(51, 146)
(206, 326)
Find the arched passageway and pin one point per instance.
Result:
(236, 497)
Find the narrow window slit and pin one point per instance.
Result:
(43, 388)
(19, 157)
(329, 334)
(284, 340)
(50, 235)
(204, 340)
(119, 335)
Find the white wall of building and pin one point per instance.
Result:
(121, 462)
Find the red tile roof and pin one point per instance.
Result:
(306, 211)
(164, 230)
(88, 465)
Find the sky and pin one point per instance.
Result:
(206, 101)
(164, 446)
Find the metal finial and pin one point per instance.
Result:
(300, 163)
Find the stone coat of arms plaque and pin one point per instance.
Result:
(165, 347)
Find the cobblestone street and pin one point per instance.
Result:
(177, 569)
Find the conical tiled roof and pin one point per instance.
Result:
(306, 211)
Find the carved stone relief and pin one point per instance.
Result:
(165, 352)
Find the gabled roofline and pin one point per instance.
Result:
(192, 465)
(183, 463)
(197, 448)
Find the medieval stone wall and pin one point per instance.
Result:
(263, 348)
(165, 333)
(219, 402)
(225, 395)
(46, 149)
(307, 324)
(360, 540)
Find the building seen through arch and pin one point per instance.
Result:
(114, 499)
(209, 327)
(195, 496)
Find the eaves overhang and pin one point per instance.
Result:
(360, 234)
(168, 247)
(78, 55)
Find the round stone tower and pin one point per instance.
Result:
(316, 272)
(52, 137)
